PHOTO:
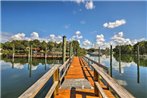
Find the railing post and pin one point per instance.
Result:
(13, 55)
(111, 60)
(64, 49)
(31, 53)
(56, 78)
(99, 54)
(119, 59)
(70, 51)
(28, 53)
(96, 79)
(138, 64)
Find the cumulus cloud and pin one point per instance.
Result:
(86, 43)
(77, 36)
(5, 36)
(35, 35)
(114, 24)
(55, 38)
(19, 36)
(118, 39)
(79, 1)
(89, 5)
(100, 39)
(77, 32)
(100, 42)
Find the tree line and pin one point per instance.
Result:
(21, 46)
(129, 49)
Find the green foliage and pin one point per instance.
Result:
(78, 51)
(142, 47)
(22, 46)
(128, 49)
(91, 50)
(81, 52)
(131, 58)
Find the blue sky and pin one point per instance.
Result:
(67, 17)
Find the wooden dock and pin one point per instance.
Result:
(81, 78)
(77, 87)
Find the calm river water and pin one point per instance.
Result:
(128, 72)
(17, 76)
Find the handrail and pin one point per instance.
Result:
(36, 87)
(101, 90)
(52, 89)
(32, 91)
(66, 66)
(118, 89)
(104, 67)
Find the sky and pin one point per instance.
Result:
(92, 23)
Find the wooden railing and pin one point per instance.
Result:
(99, 71)
(90, 60)
(54, 72)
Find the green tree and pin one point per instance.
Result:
(50, 45)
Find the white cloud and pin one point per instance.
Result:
(35, 35)
(77, 32)
(117, 23)
(19, 36)
(5, 36)
(100, 38)
(89, 5)
(118, 39)
(79, 1)
(86, 43)
(55, 38)
(77, 36)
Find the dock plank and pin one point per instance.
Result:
(80, 70)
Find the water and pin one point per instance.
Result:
(128, 72)
(19, 75)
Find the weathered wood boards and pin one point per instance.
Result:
(36, 87)
(119, 90)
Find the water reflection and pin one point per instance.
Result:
(130, 71)
(21, 73)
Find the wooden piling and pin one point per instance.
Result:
(13, 51)
(96, 79)
(70, 51)
(64, 49)
(99, 54)
(119, 59)
(56, 79)
(31, 53)
(110, 60)
(138, 64)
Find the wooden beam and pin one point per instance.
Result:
(52, 89)
(36, 87)
(118, 89)
(104, 67)
(56, 79)
(101, 91)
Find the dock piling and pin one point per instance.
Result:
(64, 49)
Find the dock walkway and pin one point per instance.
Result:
(78, 82)
(82, 78)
